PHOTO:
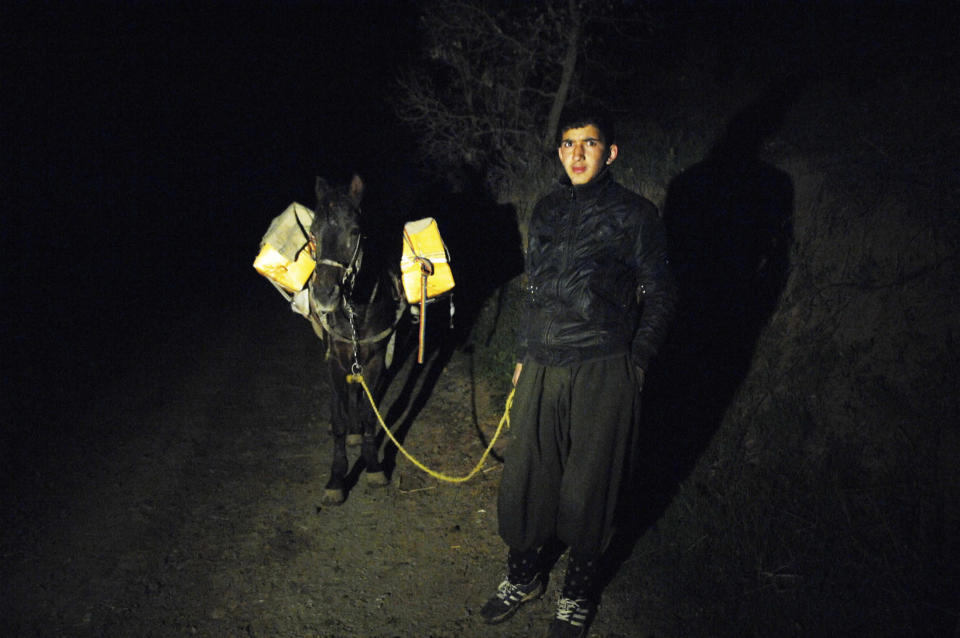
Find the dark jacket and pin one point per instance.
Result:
(598, 280)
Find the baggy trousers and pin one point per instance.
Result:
(573, 429)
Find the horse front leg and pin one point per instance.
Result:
(367, 417)
(335, 491)
(370, 451)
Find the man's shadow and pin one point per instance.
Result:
(729, 226)
(483, 239)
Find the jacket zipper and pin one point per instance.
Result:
(573, 215)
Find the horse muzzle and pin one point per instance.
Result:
(325, 292)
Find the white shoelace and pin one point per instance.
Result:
(572, 611)
(509, 591)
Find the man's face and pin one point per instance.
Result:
(584, 154)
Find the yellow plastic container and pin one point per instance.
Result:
(422, 243)
(283, 257)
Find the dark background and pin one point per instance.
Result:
(147, 146)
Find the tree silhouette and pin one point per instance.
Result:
(494, 79)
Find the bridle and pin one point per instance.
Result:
(349, 269)
(348, 277)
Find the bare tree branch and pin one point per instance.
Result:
(494, 77)
(566, 77)
(491, 75)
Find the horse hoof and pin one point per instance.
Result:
(378, 479)
(332, 497)
(353, 440)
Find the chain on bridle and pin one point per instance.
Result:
(348, 278)
(349, 269)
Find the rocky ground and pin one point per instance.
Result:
(187, 503)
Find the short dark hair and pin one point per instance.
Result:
(580, 115)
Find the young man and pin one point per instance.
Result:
(598, 300)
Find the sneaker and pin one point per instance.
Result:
(508, 599)
(573, 618)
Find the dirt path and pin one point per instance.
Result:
(198, 512)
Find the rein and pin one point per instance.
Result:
(352, 338)
(350, 269)
(347, 282)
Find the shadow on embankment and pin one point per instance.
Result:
(729, 224)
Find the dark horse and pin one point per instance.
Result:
(355, 305)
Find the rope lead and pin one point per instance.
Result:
(504, 421)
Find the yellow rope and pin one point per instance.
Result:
(504, 421)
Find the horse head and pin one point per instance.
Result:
(335, 242)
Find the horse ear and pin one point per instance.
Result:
(321, 187)
(356, 189)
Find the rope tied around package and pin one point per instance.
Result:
(433, 279)
(504, 423)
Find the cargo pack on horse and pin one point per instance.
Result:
(355, 304)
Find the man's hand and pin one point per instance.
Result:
(516, 373)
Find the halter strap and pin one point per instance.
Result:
(350, 269)
(380, 336)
